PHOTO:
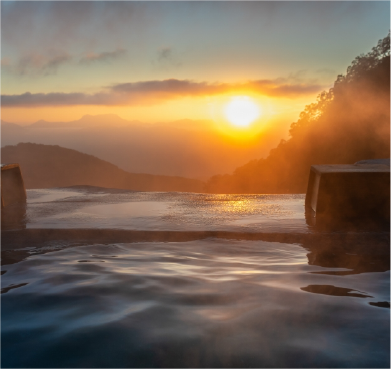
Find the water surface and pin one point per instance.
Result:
(111, 278)
(210, 303)
(91, 207)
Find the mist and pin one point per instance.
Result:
(187, 148)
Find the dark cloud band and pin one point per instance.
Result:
(153, 92)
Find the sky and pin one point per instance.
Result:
(165, 61)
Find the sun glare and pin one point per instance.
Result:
(241, 111)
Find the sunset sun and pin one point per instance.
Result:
(241, 111)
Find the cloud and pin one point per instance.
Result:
(40, 64)
(37, 64)
(170, 88)
(166, 58)
(155, 92)
(105, 56)
(164, 53)
(283, 88)
(180, 88)
(55, 99)
(35, 25)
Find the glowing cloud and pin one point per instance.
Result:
(156, 92)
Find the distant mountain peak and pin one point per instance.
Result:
(100, 116)
(102, 119)
(86, 121)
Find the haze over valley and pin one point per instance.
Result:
(188, 148)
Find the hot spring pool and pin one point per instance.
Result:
(150, 296)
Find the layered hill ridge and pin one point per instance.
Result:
(45, 166)
(185, 148)
(86, 121)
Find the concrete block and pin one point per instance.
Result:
(12, 185)
(357, 191)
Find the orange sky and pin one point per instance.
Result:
(155, 62)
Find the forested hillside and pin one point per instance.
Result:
(350, 122)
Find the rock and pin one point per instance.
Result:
(12, 185)
(358, 191)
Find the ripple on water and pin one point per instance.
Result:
(212, 302)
